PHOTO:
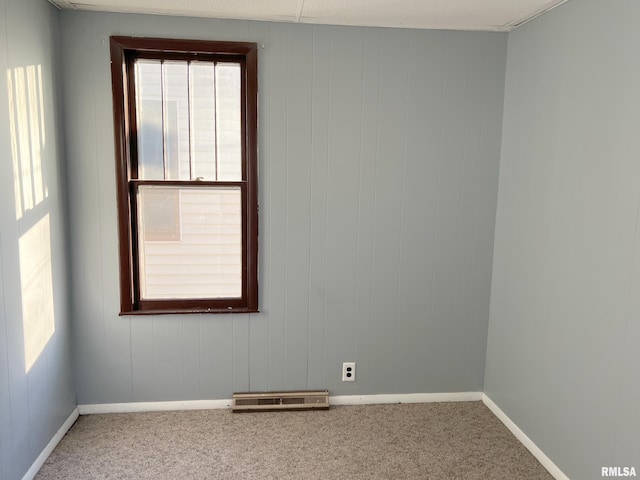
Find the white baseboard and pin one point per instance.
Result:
(405, 398)
(546, 462)
(31, 473)
(136, 407)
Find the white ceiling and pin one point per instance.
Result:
(491, 15)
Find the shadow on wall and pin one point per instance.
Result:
(28, 141)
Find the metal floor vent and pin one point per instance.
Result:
(271, 401)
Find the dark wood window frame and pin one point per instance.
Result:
(123, 51)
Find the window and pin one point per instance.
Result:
(185, 116)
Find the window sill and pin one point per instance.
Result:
(188, 311)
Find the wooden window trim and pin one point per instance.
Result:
(122, 50)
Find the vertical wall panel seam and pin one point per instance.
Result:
(474, 246)
(437, 196)
(182, 389)
(517, 188)
(396, 349)
(6, 330)
(200, 358)
(286, 208)
(11, 466)
(248, 353)
(131, 358)
(360, 159)
(247, 38)
(270, 143)
(313, 50)
(326, 219)
(459, 280)
(310, 222)
(270, 204)
(153, 353)
(375, 186)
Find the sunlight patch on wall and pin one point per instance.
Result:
(36, 281)
(26, 123)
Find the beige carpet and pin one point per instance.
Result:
(417, 441)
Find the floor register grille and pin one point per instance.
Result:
(273, 401)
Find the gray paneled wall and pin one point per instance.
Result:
(36, 386)
(563, 352)
(378, 178)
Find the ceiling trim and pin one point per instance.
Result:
(62, 4)
(298, 17)
(522, 21)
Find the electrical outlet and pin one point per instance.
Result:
(349, 372)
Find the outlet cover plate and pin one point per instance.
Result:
(349, 372)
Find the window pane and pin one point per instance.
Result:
(189, 120)
(229, 121)
(203, 120)
(205, 259)
(160, 216)
(176, 120)
(149, 116)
